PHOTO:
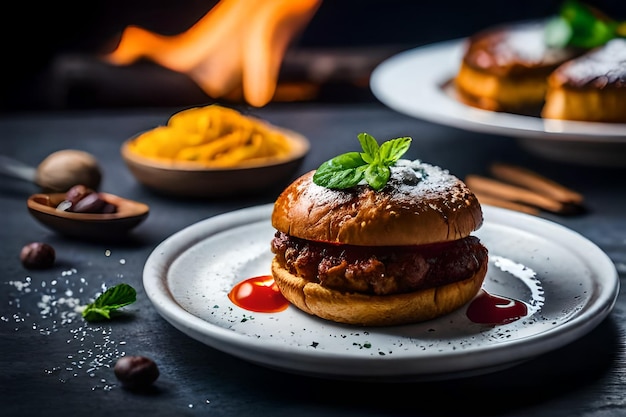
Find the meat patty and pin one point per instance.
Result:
(380, 270)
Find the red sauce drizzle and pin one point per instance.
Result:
(260, 294)
(492, 309)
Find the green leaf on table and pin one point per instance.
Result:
(114, 298)
(371, 165)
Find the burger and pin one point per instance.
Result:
(370, 239)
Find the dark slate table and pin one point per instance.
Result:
(54, 364)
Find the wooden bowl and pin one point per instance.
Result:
(188, 179)
(90, 226)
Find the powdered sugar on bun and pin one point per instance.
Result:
(420, 204)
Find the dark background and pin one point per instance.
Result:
(38, 37)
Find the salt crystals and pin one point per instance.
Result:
(91, 348)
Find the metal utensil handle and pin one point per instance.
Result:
(17, 169)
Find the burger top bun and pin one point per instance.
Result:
(420, 204)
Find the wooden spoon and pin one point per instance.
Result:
(91, 226)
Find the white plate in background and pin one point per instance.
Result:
(413, 82)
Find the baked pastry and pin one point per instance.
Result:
(505, 68)
(591, 87)
(402, 254)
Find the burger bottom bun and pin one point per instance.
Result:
(376, 310)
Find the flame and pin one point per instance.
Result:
(238, 44)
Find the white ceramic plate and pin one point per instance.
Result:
(413, 82)
(568, 284)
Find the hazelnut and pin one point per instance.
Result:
(136, 372)
(59, 171)
(77, 192)
(64, 205)
(109, 208)
(91, 203)
(37, 255)
(82, 199)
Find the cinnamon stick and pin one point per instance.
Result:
(507, 204)
(498, 189)
(535, 182)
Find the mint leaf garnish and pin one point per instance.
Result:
(583, 26)
(371, 165)
(115, 297)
